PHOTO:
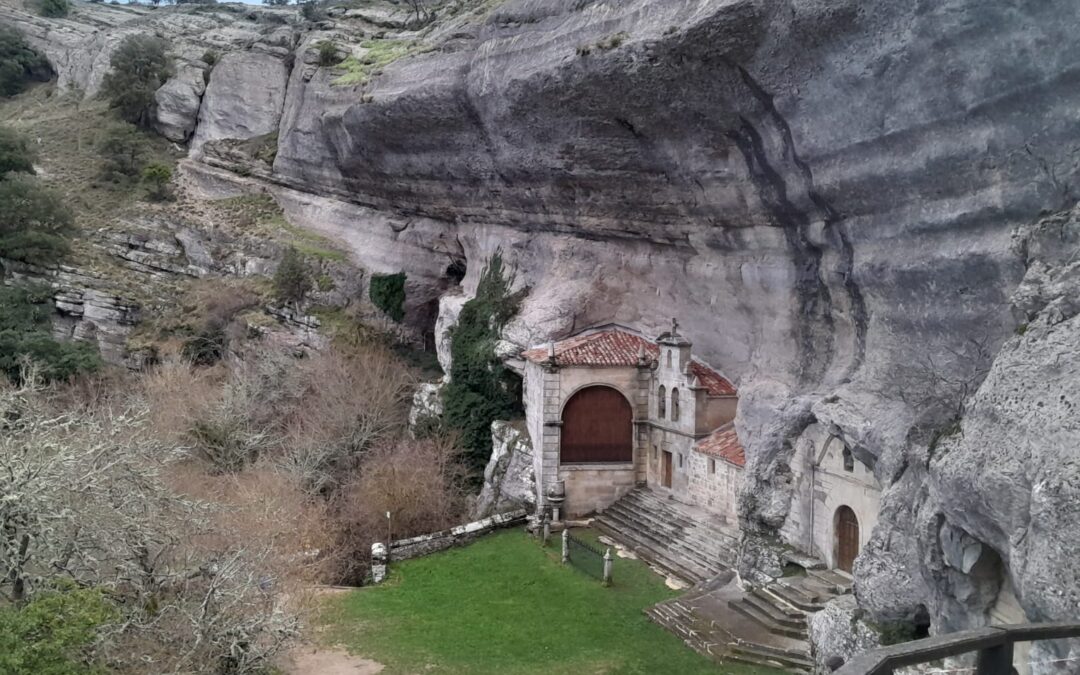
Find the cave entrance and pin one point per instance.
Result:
(846, 526)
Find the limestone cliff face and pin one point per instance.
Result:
(824, 193)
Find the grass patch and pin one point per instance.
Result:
(505, 605)
(260, 215)
(378, 54)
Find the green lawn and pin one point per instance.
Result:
(504, 605)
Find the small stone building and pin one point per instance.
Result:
(609, 409)
(835, 500)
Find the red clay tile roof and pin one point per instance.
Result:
(713, 381)
(603, 348)
(615, 347)
(723, 444)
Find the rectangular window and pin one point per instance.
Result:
(712, 466)
(655, 452)
(680, 460)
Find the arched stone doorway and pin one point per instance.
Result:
(846, 528)
(597, 427)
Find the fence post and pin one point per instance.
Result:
(380, 557)
(547, 532)
(566, 546)
(607, 566)
(995, 660)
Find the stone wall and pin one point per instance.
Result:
(713, 484)
(415, 547)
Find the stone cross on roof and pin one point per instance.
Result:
(674, 326)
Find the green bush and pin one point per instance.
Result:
(387, 292)
(897, 632)
(156, 177)
(481, 389)
(311, 11)
(54, 9)
(34, 222)
(292, 279)
(15, 153)
(139, 67)
(54, 633)
(121, 151)
(19, 63)
(25, 323)
(328, 54)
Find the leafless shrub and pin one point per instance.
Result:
(358, 399)
(82, 497)
(420, 482)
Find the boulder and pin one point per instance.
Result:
(243, 99)
(177, 103)
(509, 479)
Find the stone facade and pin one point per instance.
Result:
(639, 369)
(822, 484)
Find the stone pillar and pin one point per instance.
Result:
(566, 545)
(547, 531)
(379, 562)
(607, 566)
(552, 429)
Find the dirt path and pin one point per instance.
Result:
(311, 660)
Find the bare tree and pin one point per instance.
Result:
(82, 498)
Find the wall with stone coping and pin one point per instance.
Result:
(426, 544)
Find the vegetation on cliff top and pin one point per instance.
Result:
(139, 67)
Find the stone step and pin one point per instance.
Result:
(781, 607)
(647, 552)
(666, 539)
(664, 547)
(690, 530)
(777, 614)
(765, 621)
(838, 582)
(691, 543)
(793, 597)
(662, 522)
(793, 662)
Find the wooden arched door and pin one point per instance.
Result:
(847, 538)
(597, 426)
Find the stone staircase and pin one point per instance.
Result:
(766, 626)
(688, 543)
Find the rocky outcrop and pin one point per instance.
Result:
(838, 633)
(243, 99)
(178, 102)
(509, 482)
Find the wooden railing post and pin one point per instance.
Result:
(995, 660)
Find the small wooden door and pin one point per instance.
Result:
(665, 470)
(847, 538)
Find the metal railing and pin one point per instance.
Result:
(587, 558)
(994, 645)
